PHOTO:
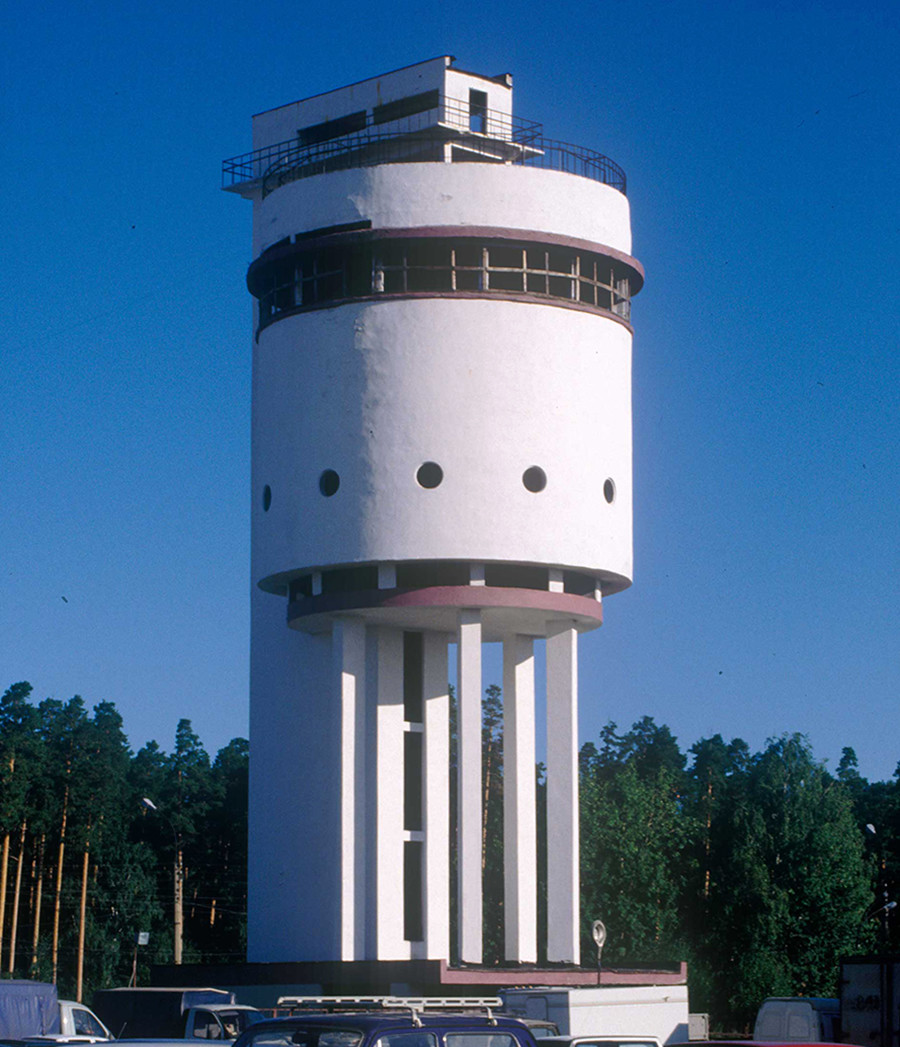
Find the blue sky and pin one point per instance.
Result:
(761, 146)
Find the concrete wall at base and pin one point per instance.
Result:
(294, 902)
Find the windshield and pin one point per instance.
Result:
(480, 1039)
(233, 1023)
(303, 1036)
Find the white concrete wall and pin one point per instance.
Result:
(387, 700)
(401, 196)
(457, 85)
(519, 802)
(437, 799)
(282, 123)
(563, 930)
(484, 388)
(294, 900)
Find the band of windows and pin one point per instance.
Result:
(322, 275)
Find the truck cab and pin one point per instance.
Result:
(219, 1021)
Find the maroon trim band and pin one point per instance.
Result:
(493, 296)
(476, 597)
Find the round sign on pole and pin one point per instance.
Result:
(598, 933)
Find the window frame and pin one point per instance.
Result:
(331, 273)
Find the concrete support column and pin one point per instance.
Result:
(348, 639)
(469, 704)
(562, 796)
(519, 801)
(388, 843)
(437, 799)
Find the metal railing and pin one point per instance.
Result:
(425, 137)
(449, 112)
(417, 1006)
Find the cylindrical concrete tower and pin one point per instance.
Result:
(441, 454)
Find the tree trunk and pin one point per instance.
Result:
(4, 864)
(488, 775)
(179, 904)
(59, 877)
(16, 895)
(39, 890)
(709, 796)
(82, 913)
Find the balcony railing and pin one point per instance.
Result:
(447, 132)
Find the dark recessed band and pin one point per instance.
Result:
(456, 232)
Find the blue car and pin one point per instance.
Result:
(392, 1028)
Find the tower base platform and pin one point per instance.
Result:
(260, 984)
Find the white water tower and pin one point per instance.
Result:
(441, 455)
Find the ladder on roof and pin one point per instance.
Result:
(416, 1005)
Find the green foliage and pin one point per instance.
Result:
(633, 841)
(755, 867)
(784, 881)
(492, 784)
(751, 867)
(70, 786)
(17, 723)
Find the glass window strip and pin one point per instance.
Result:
(343, 272)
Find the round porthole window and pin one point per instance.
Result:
(534, 478)
(429, 474)
(267, 498)
(329, 482)
(609, 490)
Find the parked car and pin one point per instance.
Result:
(757, 1043)
(541, 1030)
(412, 1025)
(600, 1041)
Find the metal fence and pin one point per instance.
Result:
(438, 134)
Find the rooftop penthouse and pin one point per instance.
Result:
(430, 112)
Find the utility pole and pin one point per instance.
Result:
(179, 902)
(178, 871)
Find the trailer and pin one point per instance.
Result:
(657, 1012)
(870, 1001)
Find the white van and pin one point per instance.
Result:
(798, 1019)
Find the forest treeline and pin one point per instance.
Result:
(755, 868)
(85, 865)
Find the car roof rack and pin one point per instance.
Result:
(416, 1005)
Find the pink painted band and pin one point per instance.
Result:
(476, 597)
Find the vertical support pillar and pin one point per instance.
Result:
(562, 796)
(348, 641)
(519, 801)
(437, 800)
(388, 843)
(469, 772)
